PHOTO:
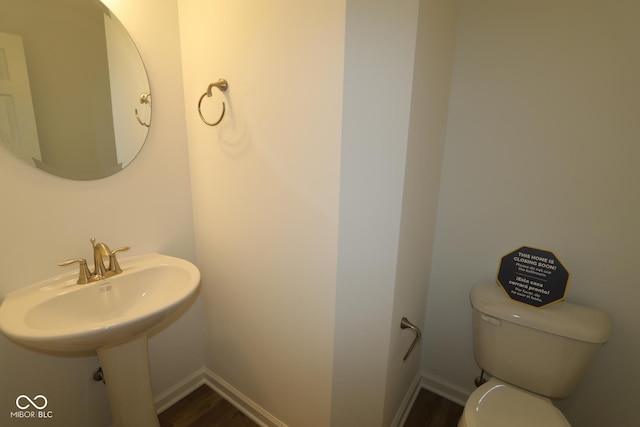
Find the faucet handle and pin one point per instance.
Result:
(113, 261)
(84, 275)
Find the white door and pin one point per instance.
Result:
(17, 120)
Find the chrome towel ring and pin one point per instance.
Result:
(222, 85)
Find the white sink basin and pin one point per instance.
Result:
(59, 315)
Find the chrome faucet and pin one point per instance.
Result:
(100, 271)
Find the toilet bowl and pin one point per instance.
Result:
(497, 404)
(532, 354)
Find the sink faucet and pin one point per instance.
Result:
(100, 251)
(100, 271)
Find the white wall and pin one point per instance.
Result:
(429, 106)
(147, 206)
(277, 259)
(542, 150)
(265, 190)
(377, 103)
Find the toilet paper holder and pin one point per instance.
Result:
(406, 324)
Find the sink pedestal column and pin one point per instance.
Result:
(126, 373)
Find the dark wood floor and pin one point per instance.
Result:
(205, 408)
(431, 410)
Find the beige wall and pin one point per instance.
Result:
(318, 116)
(542, 150)
(265, 191)
(45, 219)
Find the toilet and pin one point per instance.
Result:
(532, 355)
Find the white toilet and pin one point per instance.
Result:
(532, 354)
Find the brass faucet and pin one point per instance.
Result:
(100, 251)
(100, 271)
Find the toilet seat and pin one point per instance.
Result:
(496, 404)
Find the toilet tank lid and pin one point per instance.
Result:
(562, 318)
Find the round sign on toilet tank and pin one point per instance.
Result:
(533, 276)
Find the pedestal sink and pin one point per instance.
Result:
(110, 316)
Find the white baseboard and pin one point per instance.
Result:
(242, 402)
(224, 389)
(445, 389)
(407, 402)
(169, 397)
(264, 419)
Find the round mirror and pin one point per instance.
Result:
(74, 94)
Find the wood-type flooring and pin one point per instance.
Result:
(205, 408)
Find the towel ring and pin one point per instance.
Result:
(222, 85)
(145, 98)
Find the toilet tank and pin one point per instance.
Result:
(543, 350)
